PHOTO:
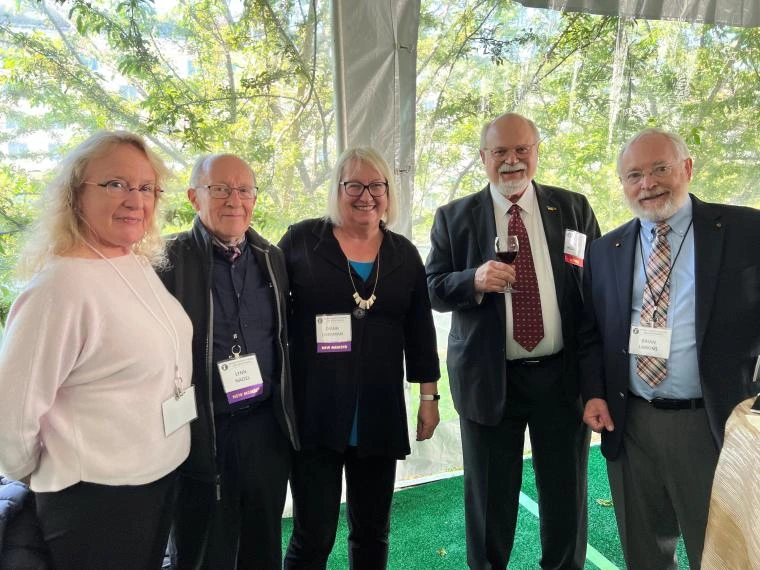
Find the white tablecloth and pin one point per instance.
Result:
(732, 541)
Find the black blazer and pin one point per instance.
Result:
(461, 240)
(727, 292)
(397, 330)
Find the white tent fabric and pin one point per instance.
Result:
(745, 13)
(375, 60)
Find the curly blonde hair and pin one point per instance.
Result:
(59, 227)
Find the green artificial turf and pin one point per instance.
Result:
(427, 526)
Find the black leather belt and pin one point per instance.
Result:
(534, 361)
(242, 411)
(239, 411)
(672, 404)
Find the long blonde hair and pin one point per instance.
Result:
(59, 227)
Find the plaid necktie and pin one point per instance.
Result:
(527, 322)
(654, 308)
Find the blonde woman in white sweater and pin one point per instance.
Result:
(95, 364)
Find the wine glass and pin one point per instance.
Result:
(506, 252)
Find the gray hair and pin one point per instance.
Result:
(679, 145)
(200, 169)
(59, 226)
(203, 164)
(484, 130)
(368, 156)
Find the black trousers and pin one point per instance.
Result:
(89, 526)
(493, 460)
(316, 485)
(242, 527)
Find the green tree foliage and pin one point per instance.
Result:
(201, 77)
(590, 83)
(202, 80)
(253, 77)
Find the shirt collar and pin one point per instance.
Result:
(502, 205)
(239, 243)
(214, 239)
(678, 222)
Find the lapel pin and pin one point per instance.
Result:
(718, 225)
(617, 244)
(551, 208)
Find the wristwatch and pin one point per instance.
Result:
(430, 397)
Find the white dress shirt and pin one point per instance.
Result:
(531, 217)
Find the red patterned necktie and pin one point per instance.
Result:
(654, 307)
(527, 322)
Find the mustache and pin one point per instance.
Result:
(651, 193)
(505, 168)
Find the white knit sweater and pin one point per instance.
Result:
(84, 369)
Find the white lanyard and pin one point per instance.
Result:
(170, 329)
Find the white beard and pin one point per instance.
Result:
(660, 214)
(511, 187)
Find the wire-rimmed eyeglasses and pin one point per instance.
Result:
(120, 189)
(222, 191)
(502, 152)
(658, 171)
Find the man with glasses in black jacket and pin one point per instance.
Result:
(233, 285)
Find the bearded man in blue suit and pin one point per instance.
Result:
(667, 348)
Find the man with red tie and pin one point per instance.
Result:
(667, 346)
(512, 356)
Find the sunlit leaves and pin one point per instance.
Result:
(559, 69)
(193, 77)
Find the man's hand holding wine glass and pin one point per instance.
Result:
(496, 276)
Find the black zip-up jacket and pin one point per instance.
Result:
(188, 278)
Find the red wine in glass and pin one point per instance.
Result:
(506, 251)
(506, 256)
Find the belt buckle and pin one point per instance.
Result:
(665, 404)
(241, 411)
(662, 404)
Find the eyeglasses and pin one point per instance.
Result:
(120, 189)
(659, 171)
(223, 191)
(502, 152)
(356, 189)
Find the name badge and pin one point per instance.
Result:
(649, 341)
(333, 333)
(179, 410)
(575, 247)
(241, 378)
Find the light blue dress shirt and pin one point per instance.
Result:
(682, 378)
